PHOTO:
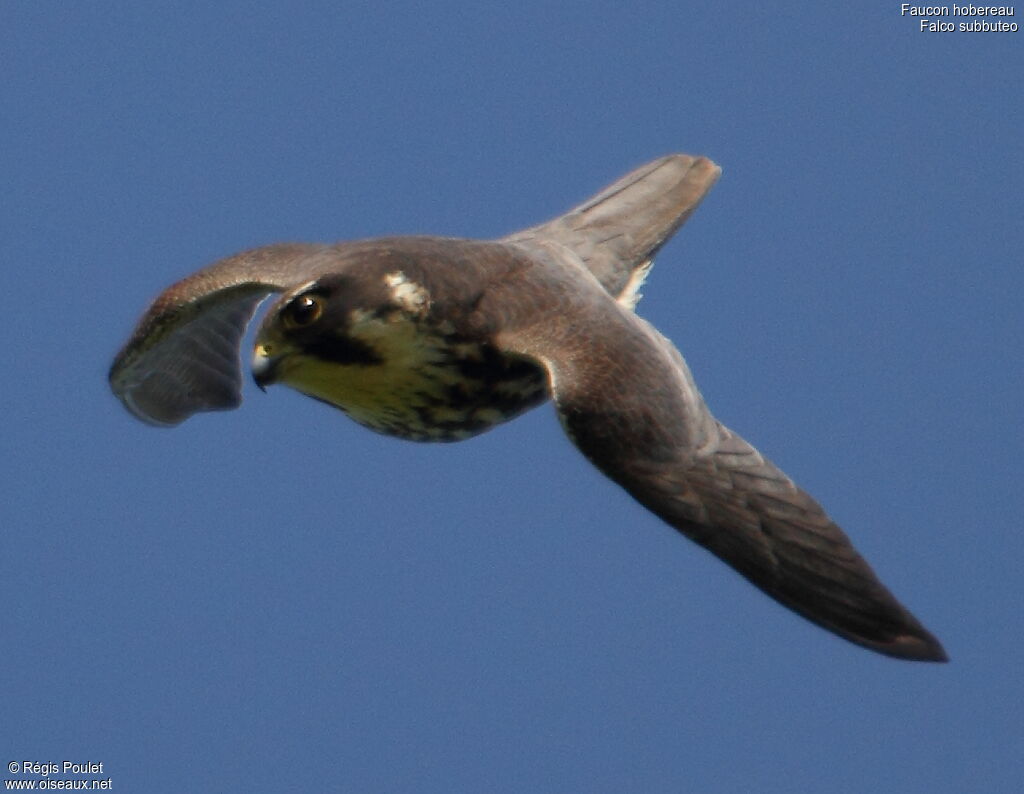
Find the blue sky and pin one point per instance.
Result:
(275, 599)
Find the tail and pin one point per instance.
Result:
(617, 232)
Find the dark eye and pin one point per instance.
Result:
(304, 310)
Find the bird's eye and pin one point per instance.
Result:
(304, 310)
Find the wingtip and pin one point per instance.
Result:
(919, 646)
(924, 648)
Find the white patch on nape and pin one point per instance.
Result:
(411, 296)
(630, 295)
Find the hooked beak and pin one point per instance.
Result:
(264, 367)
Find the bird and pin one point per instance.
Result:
(438, 339)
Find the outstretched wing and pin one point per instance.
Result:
(617, 232)
(183, 356)
(627, 400)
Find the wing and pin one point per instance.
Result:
(617, 232)
(627, 400)
(183, 356)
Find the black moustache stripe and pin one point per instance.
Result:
(342, 350)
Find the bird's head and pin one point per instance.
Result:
(335, 330)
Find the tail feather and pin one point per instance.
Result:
(618, 231)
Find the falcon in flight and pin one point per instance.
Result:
(439, 339)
